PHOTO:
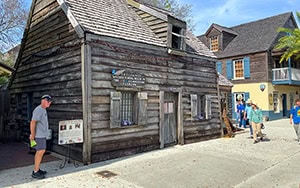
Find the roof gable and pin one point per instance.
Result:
(252, 37)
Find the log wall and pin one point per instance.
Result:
(190, 73)
(50, 63)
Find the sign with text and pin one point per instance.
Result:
(121, 78)
(70, 132)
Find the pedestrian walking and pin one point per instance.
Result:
(38, 133)
(256, 121)
(248, 109)
(295, 118)
(240, 113)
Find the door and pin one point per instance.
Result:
(170, 118)
(284, 105)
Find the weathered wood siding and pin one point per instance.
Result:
(50, 63)
(190, 73)
(258, 68)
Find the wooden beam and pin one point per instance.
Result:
(64, 6)
(180, 120)
(161, 122)
(86, 101)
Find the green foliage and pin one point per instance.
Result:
(290, 42)
(3, 80)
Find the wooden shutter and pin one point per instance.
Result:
(207, 107)
(115, 105)
(219, 67)
(229, 71)
(194, 105)
(247, 67)
(247, 96)
(142, 108)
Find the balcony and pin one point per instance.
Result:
(286, 76)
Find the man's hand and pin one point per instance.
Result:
(31, 137)
(291, 121)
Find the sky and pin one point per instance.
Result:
(229, 13)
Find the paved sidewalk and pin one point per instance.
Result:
(225, 162)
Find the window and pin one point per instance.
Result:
(276, 101)
(128, 108)
(238, 68)
(177, 37)
(214, 43)
(201, 106)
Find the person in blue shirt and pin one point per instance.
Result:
(295, 118)
(240, 111)
(248, 109)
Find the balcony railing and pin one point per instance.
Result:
(286, 75)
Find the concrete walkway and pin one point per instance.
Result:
(225, 162)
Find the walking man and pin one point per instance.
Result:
(295, 118)
(38, 132)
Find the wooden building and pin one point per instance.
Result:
(134, 74)
(247, 57)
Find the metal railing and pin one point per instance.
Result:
(283, 74)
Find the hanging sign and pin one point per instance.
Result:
(70, 132)
(122, 78)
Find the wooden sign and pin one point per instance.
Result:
(122, 78)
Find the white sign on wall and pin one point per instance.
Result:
(70, 132)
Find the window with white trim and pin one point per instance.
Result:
(238, 69)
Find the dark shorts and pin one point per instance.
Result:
(40, 144)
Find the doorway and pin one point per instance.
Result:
(284, 105)
(170, 118)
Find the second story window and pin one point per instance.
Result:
(214, 43)
(238, 68)
(177, 38)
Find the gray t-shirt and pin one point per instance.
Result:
(40, 116)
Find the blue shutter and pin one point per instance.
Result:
(247, 67)
(229, 71)
(247, 96)
(219, 67)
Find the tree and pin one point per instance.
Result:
(13, 17)
(290, 42)
(182, 12)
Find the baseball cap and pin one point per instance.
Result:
(47, 97)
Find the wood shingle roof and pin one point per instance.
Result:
(116, 18)
(112, 18)
(252, 37)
